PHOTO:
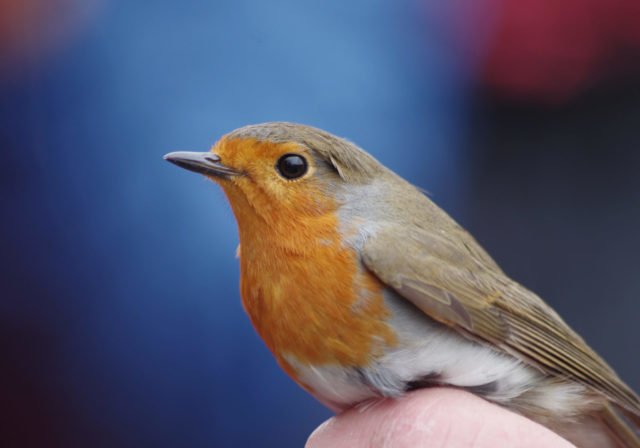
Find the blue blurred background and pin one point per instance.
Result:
(120, 320)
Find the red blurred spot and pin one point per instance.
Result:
(552, 50)
(30, 30)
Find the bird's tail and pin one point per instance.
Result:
(622, 425)
(609, 427)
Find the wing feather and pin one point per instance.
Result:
(444, 276)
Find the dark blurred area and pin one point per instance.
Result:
(120, 320)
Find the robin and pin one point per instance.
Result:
(362, 287)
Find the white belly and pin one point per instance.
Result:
(439, 355)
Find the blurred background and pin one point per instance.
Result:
(120, 320)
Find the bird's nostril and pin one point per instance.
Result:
(212, 158)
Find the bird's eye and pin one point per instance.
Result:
(292, 166)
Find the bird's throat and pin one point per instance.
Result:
(308, 296)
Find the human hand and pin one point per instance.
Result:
(434, 418)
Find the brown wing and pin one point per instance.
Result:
(443, 275)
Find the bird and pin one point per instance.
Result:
(363, 289)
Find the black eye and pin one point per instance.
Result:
(292, 166)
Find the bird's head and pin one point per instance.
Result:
(276, 175)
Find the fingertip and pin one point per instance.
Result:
(437, 417)
(320, 436)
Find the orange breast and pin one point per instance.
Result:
(306, 294)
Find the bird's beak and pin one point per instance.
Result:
(206, 163)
